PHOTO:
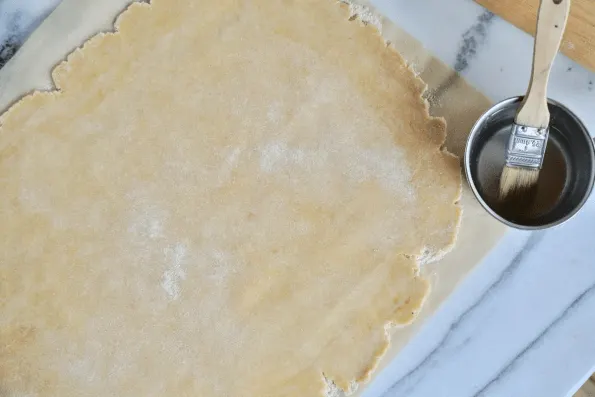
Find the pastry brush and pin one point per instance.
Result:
(529, 135)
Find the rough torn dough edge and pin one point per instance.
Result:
(366, 16)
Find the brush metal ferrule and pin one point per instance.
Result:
(526, 146)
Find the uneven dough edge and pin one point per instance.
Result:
(352, 7)
(124, 21)
(421, 258)
(84, 53)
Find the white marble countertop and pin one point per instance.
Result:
(523, 323)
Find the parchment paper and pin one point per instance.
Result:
(451, 97)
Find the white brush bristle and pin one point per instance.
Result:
(518, 180)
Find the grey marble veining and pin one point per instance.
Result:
(472, 41)
(523, 323)
(451, 341)
(18, 18)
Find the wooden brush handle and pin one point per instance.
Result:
(551, 22)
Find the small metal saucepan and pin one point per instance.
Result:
(565, 181)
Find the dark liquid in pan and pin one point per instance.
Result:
(543, 197)
(565, 180)
(538, 201)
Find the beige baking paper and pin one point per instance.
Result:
(444, 273)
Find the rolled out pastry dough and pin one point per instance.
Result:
(223, 199)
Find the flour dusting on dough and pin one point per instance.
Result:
(231, 156)
(568, 45)
(235, 219)
(175, 273)
(147, 218)
(222, 264)
(385, 165)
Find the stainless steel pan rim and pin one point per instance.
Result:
(477, 130)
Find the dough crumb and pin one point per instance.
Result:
(332, 390)
(365, 14)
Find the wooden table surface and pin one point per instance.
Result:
(579, 40)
